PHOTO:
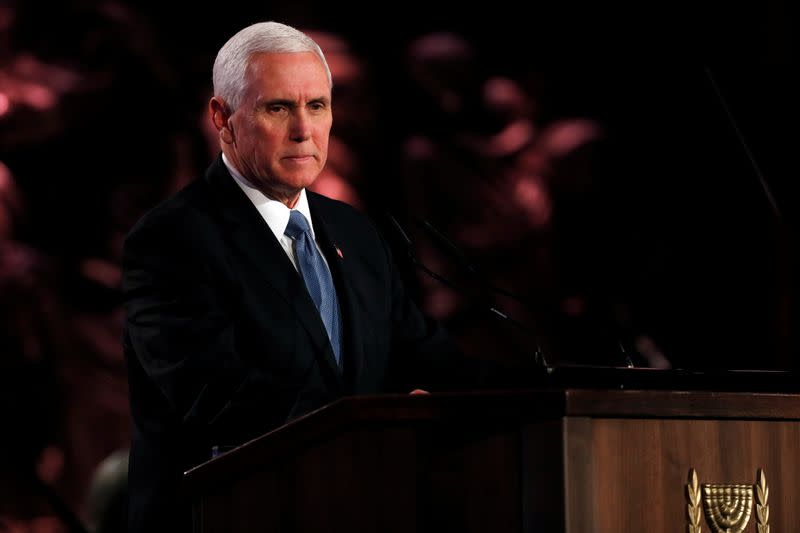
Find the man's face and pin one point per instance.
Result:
(279, 133)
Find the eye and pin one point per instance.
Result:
(317, 106)
(276, 108)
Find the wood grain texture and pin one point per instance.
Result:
(683, 404)
(629, 474)
(574, 460)
(451, 476)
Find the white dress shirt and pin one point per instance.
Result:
(275, 213)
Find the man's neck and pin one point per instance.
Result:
(289, 200)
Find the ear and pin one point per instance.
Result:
(221, 119)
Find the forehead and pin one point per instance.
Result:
(296, 72)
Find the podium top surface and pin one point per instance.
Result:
(738, 396)
(777, 381)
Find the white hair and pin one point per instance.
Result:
(232, 59)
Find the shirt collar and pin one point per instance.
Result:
(274, 213)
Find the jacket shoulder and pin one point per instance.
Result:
(180, 219)
(188, 203)
(340, 213)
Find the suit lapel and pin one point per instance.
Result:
(251, 235)
(334, 245)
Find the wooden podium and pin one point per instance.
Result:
(571, 460)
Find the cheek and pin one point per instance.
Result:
(322, 139)
(267, 144)
(323, 131)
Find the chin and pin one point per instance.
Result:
(300, 182)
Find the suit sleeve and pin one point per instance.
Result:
(181, 332)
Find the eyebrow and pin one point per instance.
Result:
(292, 104)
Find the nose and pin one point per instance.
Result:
(300, 127)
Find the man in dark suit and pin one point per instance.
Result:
(251, 300)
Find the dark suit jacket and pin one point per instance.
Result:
(224, 343)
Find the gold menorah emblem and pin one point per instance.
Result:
(727, 507)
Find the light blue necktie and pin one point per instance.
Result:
(317, 277)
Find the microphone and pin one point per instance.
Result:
(409, 246)
(784, 236)
(745, 147)
(539, 357)
(456, 252)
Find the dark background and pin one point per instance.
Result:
(665, 235)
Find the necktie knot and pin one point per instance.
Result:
(297, 225)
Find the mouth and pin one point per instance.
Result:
(300, 158)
